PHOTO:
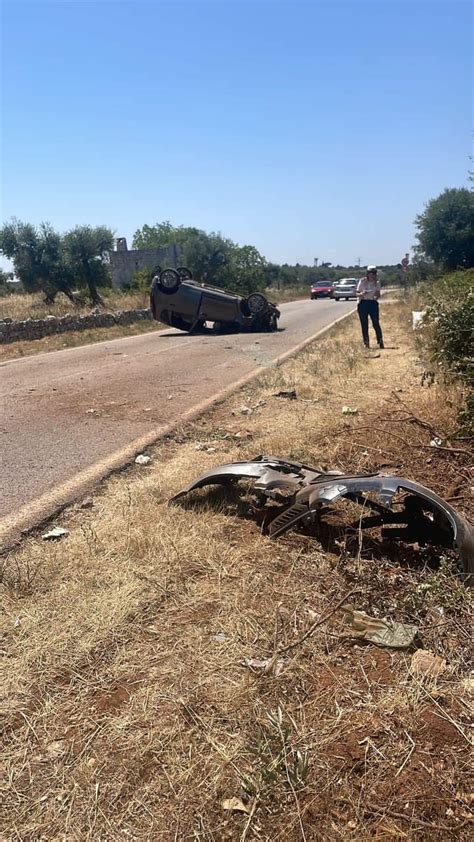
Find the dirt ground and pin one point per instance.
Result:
(130, 708)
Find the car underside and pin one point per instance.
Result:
(179, 301)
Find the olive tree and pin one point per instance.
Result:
(86, 253)
(38, 257)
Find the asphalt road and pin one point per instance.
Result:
(65, 414)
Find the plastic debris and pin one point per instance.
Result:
(55, 534)
(426, 663)
(142, 459)
(417, 317)
(350, 410)
(382, 632)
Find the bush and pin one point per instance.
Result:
(450, 334)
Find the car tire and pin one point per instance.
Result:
(336, 298)
(184, 273)
(256, 303)
(169, 281)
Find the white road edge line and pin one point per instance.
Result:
(44, 507)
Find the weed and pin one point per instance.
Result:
(277, 760)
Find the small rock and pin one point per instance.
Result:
(87, 503)
(426, 663)
(235, 804)
(286, 393)
(350, 410)
(141, 459)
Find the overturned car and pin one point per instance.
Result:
(176, 299)
(298, 495)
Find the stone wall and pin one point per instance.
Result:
(18, 331)
(125, 262)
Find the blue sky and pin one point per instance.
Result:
(309, 129)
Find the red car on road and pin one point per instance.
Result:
(321, 289)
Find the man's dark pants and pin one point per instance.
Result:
(366, 309)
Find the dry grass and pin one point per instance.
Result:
(31, 306)
(128, 713)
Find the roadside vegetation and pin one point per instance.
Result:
(73, 263)
(446, 335)
(135, 701)
(71, 270)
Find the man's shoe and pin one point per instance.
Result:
(381, 345)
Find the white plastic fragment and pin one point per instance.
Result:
(55, 534)
(417, 317)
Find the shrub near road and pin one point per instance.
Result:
(131, 710)
(449, 335)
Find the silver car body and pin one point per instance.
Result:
(345, 288)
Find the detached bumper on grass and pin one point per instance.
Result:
(298, 495)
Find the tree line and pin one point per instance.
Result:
(76, 262)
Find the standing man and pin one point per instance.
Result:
(368, 293)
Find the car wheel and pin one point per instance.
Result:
(169, 281)
(336, 298)
(184, 273)
(256, 303)
(347, 298)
